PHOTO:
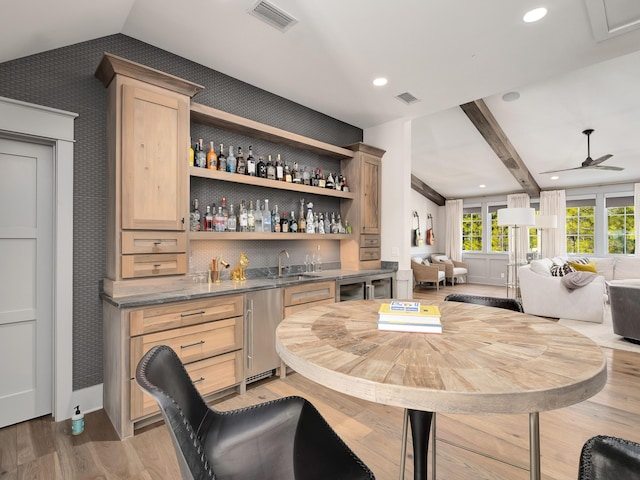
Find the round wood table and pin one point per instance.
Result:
(486, 360)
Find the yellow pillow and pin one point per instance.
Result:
(589, 267)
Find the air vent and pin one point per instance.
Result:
(274, 16)
(407, 98)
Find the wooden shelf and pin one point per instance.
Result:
(263, 182)
(217, 118)
(195, 236)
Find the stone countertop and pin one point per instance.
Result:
(193, 290)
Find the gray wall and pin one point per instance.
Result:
(64, 79)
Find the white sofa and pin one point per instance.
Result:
(544, 295)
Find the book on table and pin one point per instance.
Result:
(410, 327)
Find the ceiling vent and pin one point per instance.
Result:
(407, 98)
(274, 16)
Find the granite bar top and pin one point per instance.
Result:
(194, 289)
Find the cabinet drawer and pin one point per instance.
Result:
(191, 343)
(134, 266)
(154, 242)
(209, 376)
(183, 314)
(369, 241)
(312, 292)
(370, 253)
(298, 308)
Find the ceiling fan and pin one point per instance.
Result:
(590, 162)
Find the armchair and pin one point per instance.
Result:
(428, 273)
(453, 269)
(604, 457)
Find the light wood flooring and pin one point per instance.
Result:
(468, 447)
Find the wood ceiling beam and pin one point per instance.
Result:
(426, 191)
(488, 126)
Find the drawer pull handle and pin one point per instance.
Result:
(201, 379)
(157, 265)
(201, 312)
(157, 242)
(192, 344)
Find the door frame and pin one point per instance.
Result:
(55, 127)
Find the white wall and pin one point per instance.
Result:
(395, 138)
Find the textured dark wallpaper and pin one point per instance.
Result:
(64, 79)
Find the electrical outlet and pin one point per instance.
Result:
(395, 251)
(502, 275)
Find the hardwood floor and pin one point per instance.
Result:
(468, 446)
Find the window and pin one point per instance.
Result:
(580, 226)
(620, 225)
(472, 230)
(499, 235)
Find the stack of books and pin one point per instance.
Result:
(409, 317)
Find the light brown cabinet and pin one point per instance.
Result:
(365, 172)
(148, 138)
(207, 334)
(307, 295)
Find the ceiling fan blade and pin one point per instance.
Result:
(561, 170)
(608, 167)
(601, 159)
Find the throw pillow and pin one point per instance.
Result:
(582, 267)
(573, 280)
(440, 258)
(426, 262)
(417, 259)
(561, 270)
(582, 260)
(542, 266)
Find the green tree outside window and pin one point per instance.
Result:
(472, 232)
(580, 229)
(620, 230)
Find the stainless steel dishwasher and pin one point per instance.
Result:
(263, 313)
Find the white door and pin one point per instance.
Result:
(26, 280)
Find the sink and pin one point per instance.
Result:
(292, 276)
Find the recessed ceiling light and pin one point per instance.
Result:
(511, 96)
(482, 185)
(555, 177)
(534, 15)
(379, 82)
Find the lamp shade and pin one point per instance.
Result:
(516, 217)
(546, 221)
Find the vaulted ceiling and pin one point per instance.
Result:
(577, 68)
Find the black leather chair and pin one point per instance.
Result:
(283, 439)
(606, 458)
(499, 302)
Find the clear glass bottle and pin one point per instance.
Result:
(194, 217)
(295, 173)
(275, 220)
(243, 217)
(251, 163)
(327, 223)
(261, 168)
(225, 213)
(321, 223)
(241, 163)
(219, 220)
(306, 176)
(222, 160)
(232, 222)
(266, 217)
(293, 224)
(200, 156)
(208, 220)
(311, 224)
(212, 158)
(259, 215)
(330, 182)
(251, 218)
(279, 169)
(231, 161)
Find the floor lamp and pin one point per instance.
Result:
(516, 218)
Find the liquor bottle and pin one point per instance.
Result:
(208, 220)
(339, 182)
(322, 182)
(192, 153)
(287, 173)
(200, 157)
(279, 169)
(219, 221)
(293, 225)
(275, 220)
(212, 158)
(241, 167)
(306, 176)
(251, 163)
(194, 217)
(222, 160)
(261, 168)
(266, 218)
(302, 223)
(232, 222)
(345, 186)
(330, 182)
(243, 217)
(251, 218)
(321, 223)
(271, 169)
(259, 215)
(311, 224)
(225, 214)
(295, 173)
(315, 177)
(284, 223)
(231, 161)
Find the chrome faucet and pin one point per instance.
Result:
(280, 266)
